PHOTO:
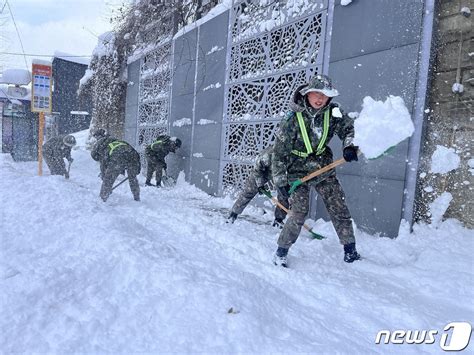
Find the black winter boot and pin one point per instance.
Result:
(232, 217)
(278, 223)
(350, 253)
(280, 257)
(148, 183)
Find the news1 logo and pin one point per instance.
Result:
(455, 336)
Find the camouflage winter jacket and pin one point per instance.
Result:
(263, 166)
(55, 148)
(160, 148)
(287, 165)
(111, 152)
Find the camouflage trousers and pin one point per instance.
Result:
(333, 197)
(155, 166)
(118, 165)
(249, 192)
(55, 164)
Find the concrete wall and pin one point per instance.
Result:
(449, 120)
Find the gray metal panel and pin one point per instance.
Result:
(206, 177)
(207, 141)
(133, 83)
(130, 127)
(210, 85)
(131, 103)
(390, 72)
(182, 98)
(375, 204)
(183, 67)
(367, 26)
(391, 166)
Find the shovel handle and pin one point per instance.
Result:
(278, 204)
(323, 170)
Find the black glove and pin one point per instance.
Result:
(350, 153)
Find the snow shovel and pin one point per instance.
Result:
(278, 204)
(329, 167)
(167, 180)
(321, 171)
(120, 183)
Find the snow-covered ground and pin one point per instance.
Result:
(167, 274)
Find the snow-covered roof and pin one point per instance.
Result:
(15, 77)
(71, 58)
(40, 61)
(12, 93)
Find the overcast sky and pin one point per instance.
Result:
(47, 26)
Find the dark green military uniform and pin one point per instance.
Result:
(293, 159)
(155, 157)
(115, 158)
(54, 153)
(260, 175)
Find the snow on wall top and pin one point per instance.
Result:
(268, 14)
(71, 58)
(215, 11)
(12, 92)
(16, 77)
(382, 125)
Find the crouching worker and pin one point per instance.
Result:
(155, 157)
(260, 175)
(55, 151)
(301, 147)
(115, 158)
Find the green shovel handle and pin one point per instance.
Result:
(295, 185)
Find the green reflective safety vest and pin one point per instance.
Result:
(114, 145)
(156, 142)
(322, 142)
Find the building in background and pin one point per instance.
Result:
(19, 126)
(71, 114)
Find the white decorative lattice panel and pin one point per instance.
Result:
(244, 140)
(153, 113)
(253, 17)
(265, 98)
(234, 176)
(276, 46)
(153, 95)
(284, 48)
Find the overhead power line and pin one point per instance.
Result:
(17, 32)
(47, 55)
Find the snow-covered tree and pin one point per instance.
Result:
(137, 25)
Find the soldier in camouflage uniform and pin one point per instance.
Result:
(155, 157)
(54, 152)
(115, 158)
(260, 175)
(301, 148)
